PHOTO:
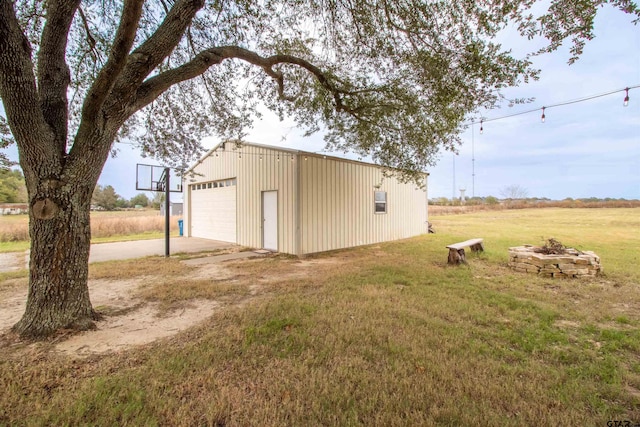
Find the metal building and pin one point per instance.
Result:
(297, 202)
(175, 208)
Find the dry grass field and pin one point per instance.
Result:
(105, 226)
(384, 335)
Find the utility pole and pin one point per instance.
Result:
(473, 164)
(167, 214)
(453, 192)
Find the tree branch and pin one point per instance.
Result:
(92, 142)
(53, 72)
(156, 85)
(90, 39)
(122, 43)
(19, 94)
(152, 52)
(410, 34)
(105, 107)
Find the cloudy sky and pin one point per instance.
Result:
(585, 149)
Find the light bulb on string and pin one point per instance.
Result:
(542, 119)
(626, 97)
(278, 158)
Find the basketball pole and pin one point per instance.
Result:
(166, 212)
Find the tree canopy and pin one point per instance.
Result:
(139, 199)
(105, 197)
(514, 192)
(12, 188)
(391, 79)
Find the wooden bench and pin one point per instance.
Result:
(456, 250)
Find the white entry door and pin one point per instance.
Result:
(270, 220)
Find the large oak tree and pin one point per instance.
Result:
(392, 79)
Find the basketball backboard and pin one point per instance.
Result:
(152, 178)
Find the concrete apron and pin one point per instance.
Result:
(13, 261)
(100, 252)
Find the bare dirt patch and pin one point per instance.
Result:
(128, 320)
(140, 326)
(132, 320)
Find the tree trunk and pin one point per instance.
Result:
(60, 239)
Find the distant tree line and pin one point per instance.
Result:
(12, 187)
(531, 202)
(518, 196)
(105, 198)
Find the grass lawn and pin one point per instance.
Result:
(380, 335)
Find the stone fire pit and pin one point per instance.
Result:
(571, 263)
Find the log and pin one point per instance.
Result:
(456, 257)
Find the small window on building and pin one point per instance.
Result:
(215, 185)
(380, 201)
(234, 181)
(210, 185)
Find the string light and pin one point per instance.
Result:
(626, 97)
(481, 129)
(560, 104)
(543, 116)
(277, 156)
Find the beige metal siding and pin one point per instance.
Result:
(323, 203)
(274, 171)
(256, 169)
(337, 205)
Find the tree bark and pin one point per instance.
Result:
(58, 295)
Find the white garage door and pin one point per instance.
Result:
(213, 212)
